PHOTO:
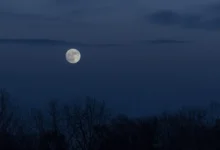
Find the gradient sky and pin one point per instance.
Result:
(139, 56)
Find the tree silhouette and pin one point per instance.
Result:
(81, 122)
(90, 127)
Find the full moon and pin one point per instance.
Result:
(73, 56)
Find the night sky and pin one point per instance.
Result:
(139, 56)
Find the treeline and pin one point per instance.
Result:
(91, 127)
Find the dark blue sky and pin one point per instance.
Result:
(139, 56)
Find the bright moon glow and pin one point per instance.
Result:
(73, 56)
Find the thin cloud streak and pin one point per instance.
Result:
(53, 42)
(82, 44)
(167, 41)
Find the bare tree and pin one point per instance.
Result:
(184, 129)
(39, 121)
(5, 114)
(8, 123)
(54, 115)
(81, 122)
(50, 136)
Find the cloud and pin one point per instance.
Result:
(213, 8)
(33, 41)
(83, 44)
(207, 19)
(26, 6)
(165, 17)
(87, 20)
(54, 42)
(165, 41)
(94, 11)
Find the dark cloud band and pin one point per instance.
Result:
(207, 19)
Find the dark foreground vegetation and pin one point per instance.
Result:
(91, 127)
